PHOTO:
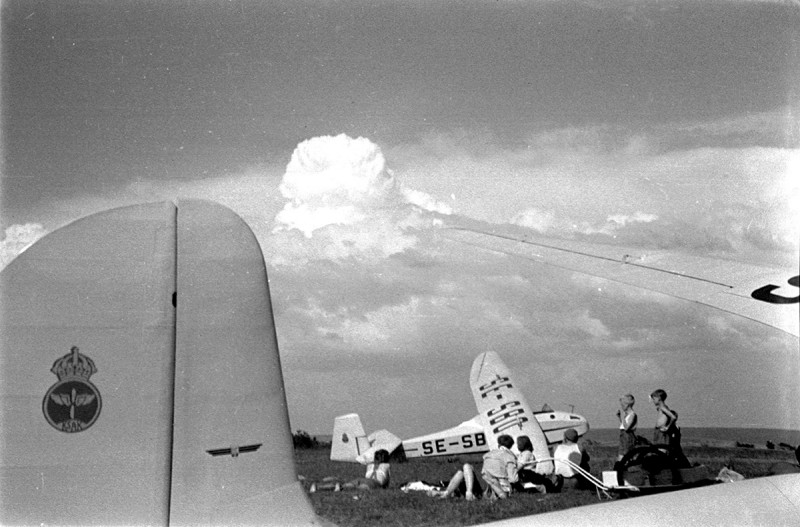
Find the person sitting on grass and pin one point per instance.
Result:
(529, 479)
(571, 450)
(463, 483)
(500, 468)
(377, 476)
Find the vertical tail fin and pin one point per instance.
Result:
(233, 458)
(349, 439)
(184, 419)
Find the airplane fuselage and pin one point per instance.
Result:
(469, 437)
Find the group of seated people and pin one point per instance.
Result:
(502, 472)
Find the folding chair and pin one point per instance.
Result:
(603, 491)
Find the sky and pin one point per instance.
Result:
(348, 134)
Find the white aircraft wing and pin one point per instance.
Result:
(502, 407)
(764, 294)
(773, 501)
(140, 382)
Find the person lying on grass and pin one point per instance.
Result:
(377, 477)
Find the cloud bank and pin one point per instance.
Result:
(17, 239)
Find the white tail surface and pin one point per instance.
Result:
(349, 438)
(184, 418)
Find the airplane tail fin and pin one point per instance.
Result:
(184, 421)
(349, 438)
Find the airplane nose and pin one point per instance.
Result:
(579, 423)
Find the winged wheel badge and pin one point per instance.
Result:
(73, 403)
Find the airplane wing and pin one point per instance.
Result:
(764, 294)
(502, 407)
(773, 501)
(140, 378)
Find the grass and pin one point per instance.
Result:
(392, 507)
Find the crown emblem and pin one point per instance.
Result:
(73, 403)
(73, 364)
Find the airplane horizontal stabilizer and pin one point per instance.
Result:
(379, 440)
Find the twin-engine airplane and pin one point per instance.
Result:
(141, 384)
(502, 410)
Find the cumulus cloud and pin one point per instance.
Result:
(536, 219)
(17, 239)
(346, 203)
(339, 177)
(425, 201)
(546, 221)
(591, 325)
(720, 192)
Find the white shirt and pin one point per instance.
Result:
(381, 474)
(627, 420)
(571, 452)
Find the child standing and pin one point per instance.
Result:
(667, 431)
(665, 420)
(627, 425)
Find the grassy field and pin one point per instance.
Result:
(393, 507)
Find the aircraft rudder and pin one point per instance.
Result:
(349, 438)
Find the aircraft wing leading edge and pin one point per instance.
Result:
(97, 363)
(773, 501)
(764, 294)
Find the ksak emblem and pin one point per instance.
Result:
(73, 403)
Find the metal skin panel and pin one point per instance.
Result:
(102, 284)
(229, 394)
(503, 408)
